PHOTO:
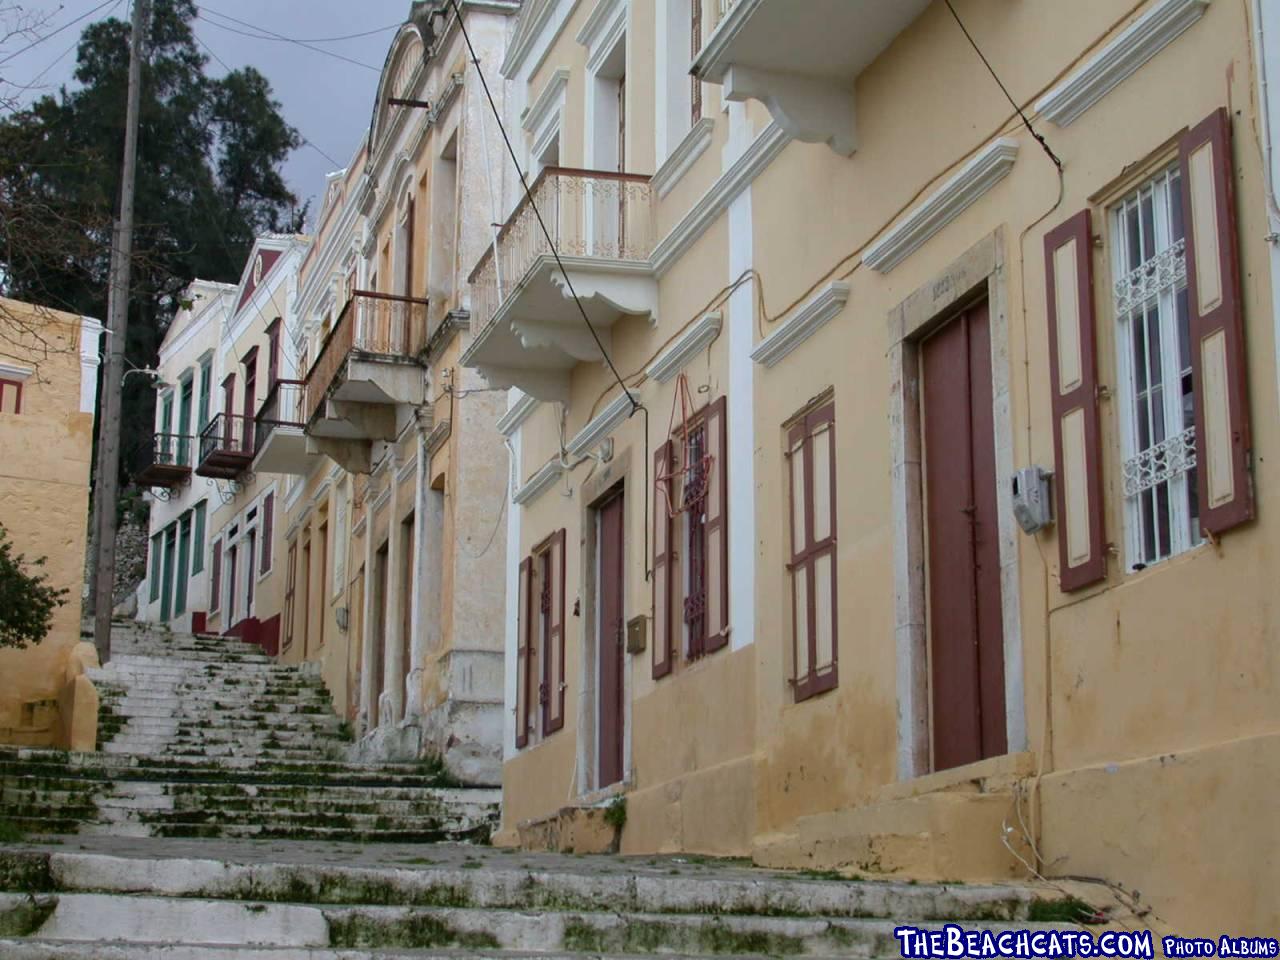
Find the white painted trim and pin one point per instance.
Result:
(409, 466)
(762, 151)
(10, 372)
(607, 22)
(90, 358)
(690, 343)
(536, 27)
(813, 315)
(683, 157)
(550, 101)
(518, 411)
(1119, 59)
(991, 165)
(595, 432)
(511, 620)
(539, 483)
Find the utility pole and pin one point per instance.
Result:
(108, 468)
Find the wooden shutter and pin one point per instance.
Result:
(1217, 326)
(716, 529)
(1073, 376)
(524, 651)
(811, 457)
(268, 525)
(290, 593)
(215, 576)
(553, 714)
(663, 607)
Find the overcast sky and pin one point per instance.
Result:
(327, 99)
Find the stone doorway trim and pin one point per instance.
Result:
(978, 273)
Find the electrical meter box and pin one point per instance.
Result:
(1032, 505)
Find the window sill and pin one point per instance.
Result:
(683, 157)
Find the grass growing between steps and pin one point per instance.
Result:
(10, 832)
(643, 937)
(410, 933)
(26, 873)
(1067, 910)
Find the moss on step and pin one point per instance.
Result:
(414, 932)
(302, 886)
(1066, 910)
(25, 918)
(25, 873)
(653, 936)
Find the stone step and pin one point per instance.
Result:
(70, 950)
(481, 878)
(393, 834)
(140, 919)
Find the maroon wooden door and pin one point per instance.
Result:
(378, 635)
(250, 399)
(965, 629)
(610, 642)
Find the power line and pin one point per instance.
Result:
(555, 252)
(272, 35)
(1044, 144)
(39, 40)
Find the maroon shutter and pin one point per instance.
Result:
(1073, 375)
(215, 576)
(555, 637)
(814, 581)
(663, 642)
(716, 529)
(1217, 326)
(524, 651)
(268, 524)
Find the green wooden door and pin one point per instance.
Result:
(184, 566)
(166, 590)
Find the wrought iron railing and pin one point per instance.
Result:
(284, 407)
(371, 323)
(228, 436)
(589, 213)
(163, 458)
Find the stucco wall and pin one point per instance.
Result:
(45, 454)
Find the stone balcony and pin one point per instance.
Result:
(367, 375)
(801, 60)
(528, 331)
(280, 441)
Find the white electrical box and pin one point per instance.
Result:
(1031, 504)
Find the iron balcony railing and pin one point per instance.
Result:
(284, 407)
(164, 460)
(589, 213)
(377, 324)
(226, 445)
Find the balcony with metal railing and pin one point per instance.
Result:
(802, 59)
(528, 331)
(226, 447)
(370, 363)
(280, 443)
(164, 460)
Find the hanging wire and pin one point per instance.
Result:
(1039, 138)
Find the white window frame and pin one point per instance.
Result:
(1138, 286)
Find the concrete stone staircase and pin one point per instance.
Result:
(207, 737)
(159, 899)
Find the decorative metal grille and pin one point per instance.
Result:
(1166, 270)
(1164, 461)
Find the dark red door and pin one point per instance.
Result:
(611, 640)
(966, 633)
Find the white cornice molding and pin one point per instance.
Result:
(1119, 59)
(10, 372)
(536, 15)
(812, 316)
(599, 428)
(991, 165)
(683, 157)
(90, 353)
(763, 150)
(689, 344)
(517, 413)
(607, 22)
(539, 483)
(549, 102)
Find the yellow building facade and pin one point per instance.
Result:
(926, 532)
(48, 390)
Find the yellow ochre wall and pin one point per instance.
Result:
(45, 454)
(1151, 720)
